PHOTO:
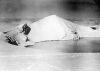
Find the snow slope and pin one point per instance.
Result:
(87, 31)
(51, 28)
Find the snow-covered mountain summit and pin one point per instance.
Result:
(51, 28)
(47, 29)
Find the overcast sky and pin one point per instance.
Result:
(41, 8)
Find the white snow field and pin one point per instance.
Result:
(87, 31)
(51, 28)
(56, 28)
(46, 29)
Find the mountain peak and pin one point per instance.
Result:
(52, 16)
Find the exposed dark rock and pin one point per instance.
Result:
(11, 40)
(27, 39)
(75, 33)
(94, 28)
(28, 46)
(26, 29)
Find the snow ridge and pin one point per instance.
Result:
(47, 29)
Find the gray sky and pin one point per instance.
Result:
(41, 8)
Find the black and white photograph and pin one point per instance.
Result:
(49, 35)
